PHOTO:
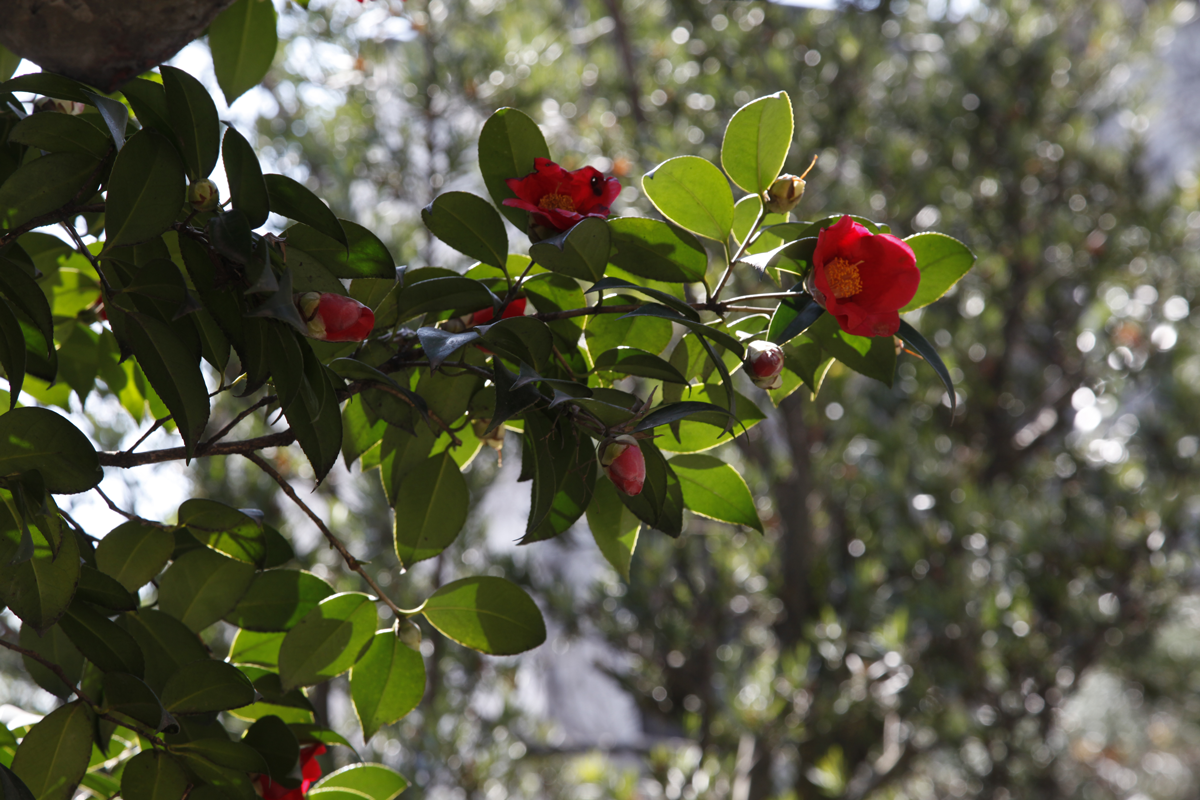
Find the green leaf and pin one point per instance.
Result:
(99, 589)
(202, 586)
(149, 103)
(431, 509)
(942, 260)
(508, 145)
(757, 141)
(918, 343)
(12, 352)
(49, 84)
(40, 589)
(173, 372)
(660, 504)
(145, 190)
(693, 194)
(61, 133)
(315, 417)
(153, 775)
(115, 116)
(360, 782)
(368, 256)
(697, 432)
(53, 756)
(792, 317)
(250, 647)
(37, 438)
(676, 304)
(488, 614)
(707, 331)
(521, 339)
(233, 756)
(873, 356)
(102, 641)
(294, 200)
(631, 361)
(133, 553)
(247, 188)
(604, 332)
(58, 649)
(714, 489)
(224, 529)
(220, 783)
(9, 61)
(45, 184)
(276, 743)
(400, 452)
(279, 599)
(166, 643)
(11, 786)
(328, 641)
(387, 683)
(564, 474)
(650, 248)
(243, 43)
(129, 695)
(194, 119)
(581, 252)
(614, 527)
(441, 293)
(470, 225)
(204, 686)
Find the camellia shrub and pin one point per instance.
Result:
(612, 347)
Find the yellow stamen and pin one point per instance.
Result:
(843, 277)
(551, 202)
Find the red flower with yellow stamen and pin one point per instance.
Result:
(558, 199)
(863, 279)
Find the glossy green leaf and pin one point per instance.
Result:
(104, 591)
(328, 641)
(224, 753)
(632, 361)
(279, 599)
(202, 586)
(129, 695)
(604, 332)
(793, 317)
(224, 529)
(53, 756)
(115, 116)
(294, 200)
(133, 553)
(250, 647)
(315, 417)
(204, 686)
(45, 184)
(49, 84)
(174, 372)
(942, 260)
(247, 189)
(360, 782)
(194, 119)
(54, 646)
(387, 683)
(508, 145)
(218, 782)
(651, 248)
(581, 252)
(441, 293)
(243, 42)
(12, 352)
(488, 614)
(13, 787)
(149, 103)
(166, 644)
(153, 775)
(563, 461)
(145, 190)
(714, 489)
(399, 453)
(921, 346)
(693, 194)
(276, 743)
(431, 509)
(614, 527)
(61, 133)
(704, 431)
(873, 356)
(367, 257)
(40, 590)
(757, 141)
(470, 225)
(102, 641)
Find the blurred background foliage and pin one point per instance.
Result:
(998, 605)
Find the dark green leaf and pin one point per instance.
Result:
(54, 646)
(203, 686)
(276, 743)
(99, 589)
(693, 194)
(145, 190)
(470, 225)
(224, 529)
(387, 683)
(614, 527)
(919, 344)
(53, 756)
(368, 256)
(153, 775)
(873, 356)
(149, 103)
(174, 373)
(243, 43)
(679, 306)
(793, 317)
(508, 145)
(102, 641)
(442, 293)
(45, 184)
(720, 337)
(521, 339)
(115, 116)
(37, 438)
(13, 787)
(250, 647)
(49, 84)
(431, 508)
(133, 553)
(194, 119)
(129, 695)
(487, 614)
(581, 252)
(12, 352)
(653, 249)
(440, 345)
(247, 188)
(294, 200)
(61, 133)
(631, 361)
(279, 599)
(328, 641)
(40, 589)
(202, 586)
(166, 643)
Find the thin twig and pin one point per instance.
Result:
(158, 423)
(111, 504)
(50, 665)
(351, 562)
(58, 215)
(221, 434)
(762, 214)
(126, 460)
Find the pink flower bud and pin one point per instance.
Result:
(204, 195)
(623, 463)
(765, 363)
(335, 318)
(485, 315)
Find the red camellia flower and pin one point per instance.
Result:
(558, 199)
(310, 771)
(485, 315)
(624, 464)
(863, 279)
(335, 318)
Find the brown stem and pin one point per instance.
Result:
(353, 563)
(126, 460)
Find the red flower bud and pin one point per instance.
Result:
(765, 363)
(623, 463)
(863, 279)
(485, 315)
(310, 772)
(558, 199)
(335, 318)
